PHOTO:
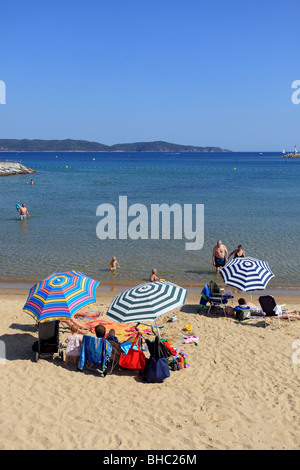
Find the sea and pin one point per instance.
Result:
(248, 198)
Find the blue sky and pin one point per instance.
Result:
(198, 73)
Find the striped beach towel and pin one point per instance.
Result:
(214, 289)
(208, 290)
(204, 296)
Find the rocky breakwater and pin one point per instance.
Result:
(291, 155)
(9, 168)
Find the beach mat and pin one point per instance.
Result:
(123, 331)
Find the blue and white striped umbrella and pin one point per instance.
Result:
(247, 274)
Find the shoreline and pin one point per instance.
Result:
(26, 284)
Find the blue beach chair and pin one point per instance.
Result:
(98, 352)
(212, 295)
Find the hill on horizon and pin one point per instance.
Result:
(70, 145)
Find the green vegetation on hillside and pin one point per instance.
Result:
(69, 145)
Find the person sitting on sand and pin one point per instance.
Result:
(239, 253)
(255, 310)
(153, 276)
(220, 255)
(113, 264)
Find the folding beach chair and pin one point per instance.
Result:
(48, 341)
(214, 296)
(272, 310)
(98, 352)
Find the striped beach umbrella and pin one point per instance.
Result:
(146, 302)
(247, 274)
(60, 296)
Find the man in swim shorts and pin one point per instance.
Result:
(220, 255)
(23, 212)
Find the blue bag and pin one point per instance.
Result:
(157, 371)
(157, 367)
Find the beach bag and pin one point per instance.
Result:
(135, 358)
(157, 369)
(158, 348)
(242, 313)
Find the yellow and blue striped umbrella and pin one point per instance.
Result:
(60, 296)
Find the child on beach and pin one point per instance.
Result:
(73, 341)
(100, 332)
(153, 276)
(113, 264)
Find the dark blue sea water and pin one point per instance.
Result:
(249, 198)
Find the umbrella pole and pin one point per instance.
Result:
(157, 330)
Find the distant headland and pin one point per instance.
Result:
(69, 145)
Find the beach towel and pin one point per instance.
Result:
(214, 289)
(204, 296)
(95, 350)
(123, 331)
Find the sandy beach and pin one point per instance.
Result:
(240, 391)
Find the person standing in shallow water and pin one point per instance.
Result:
(239, 253)
(220, 255)
(113, 264)
(23, 212)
